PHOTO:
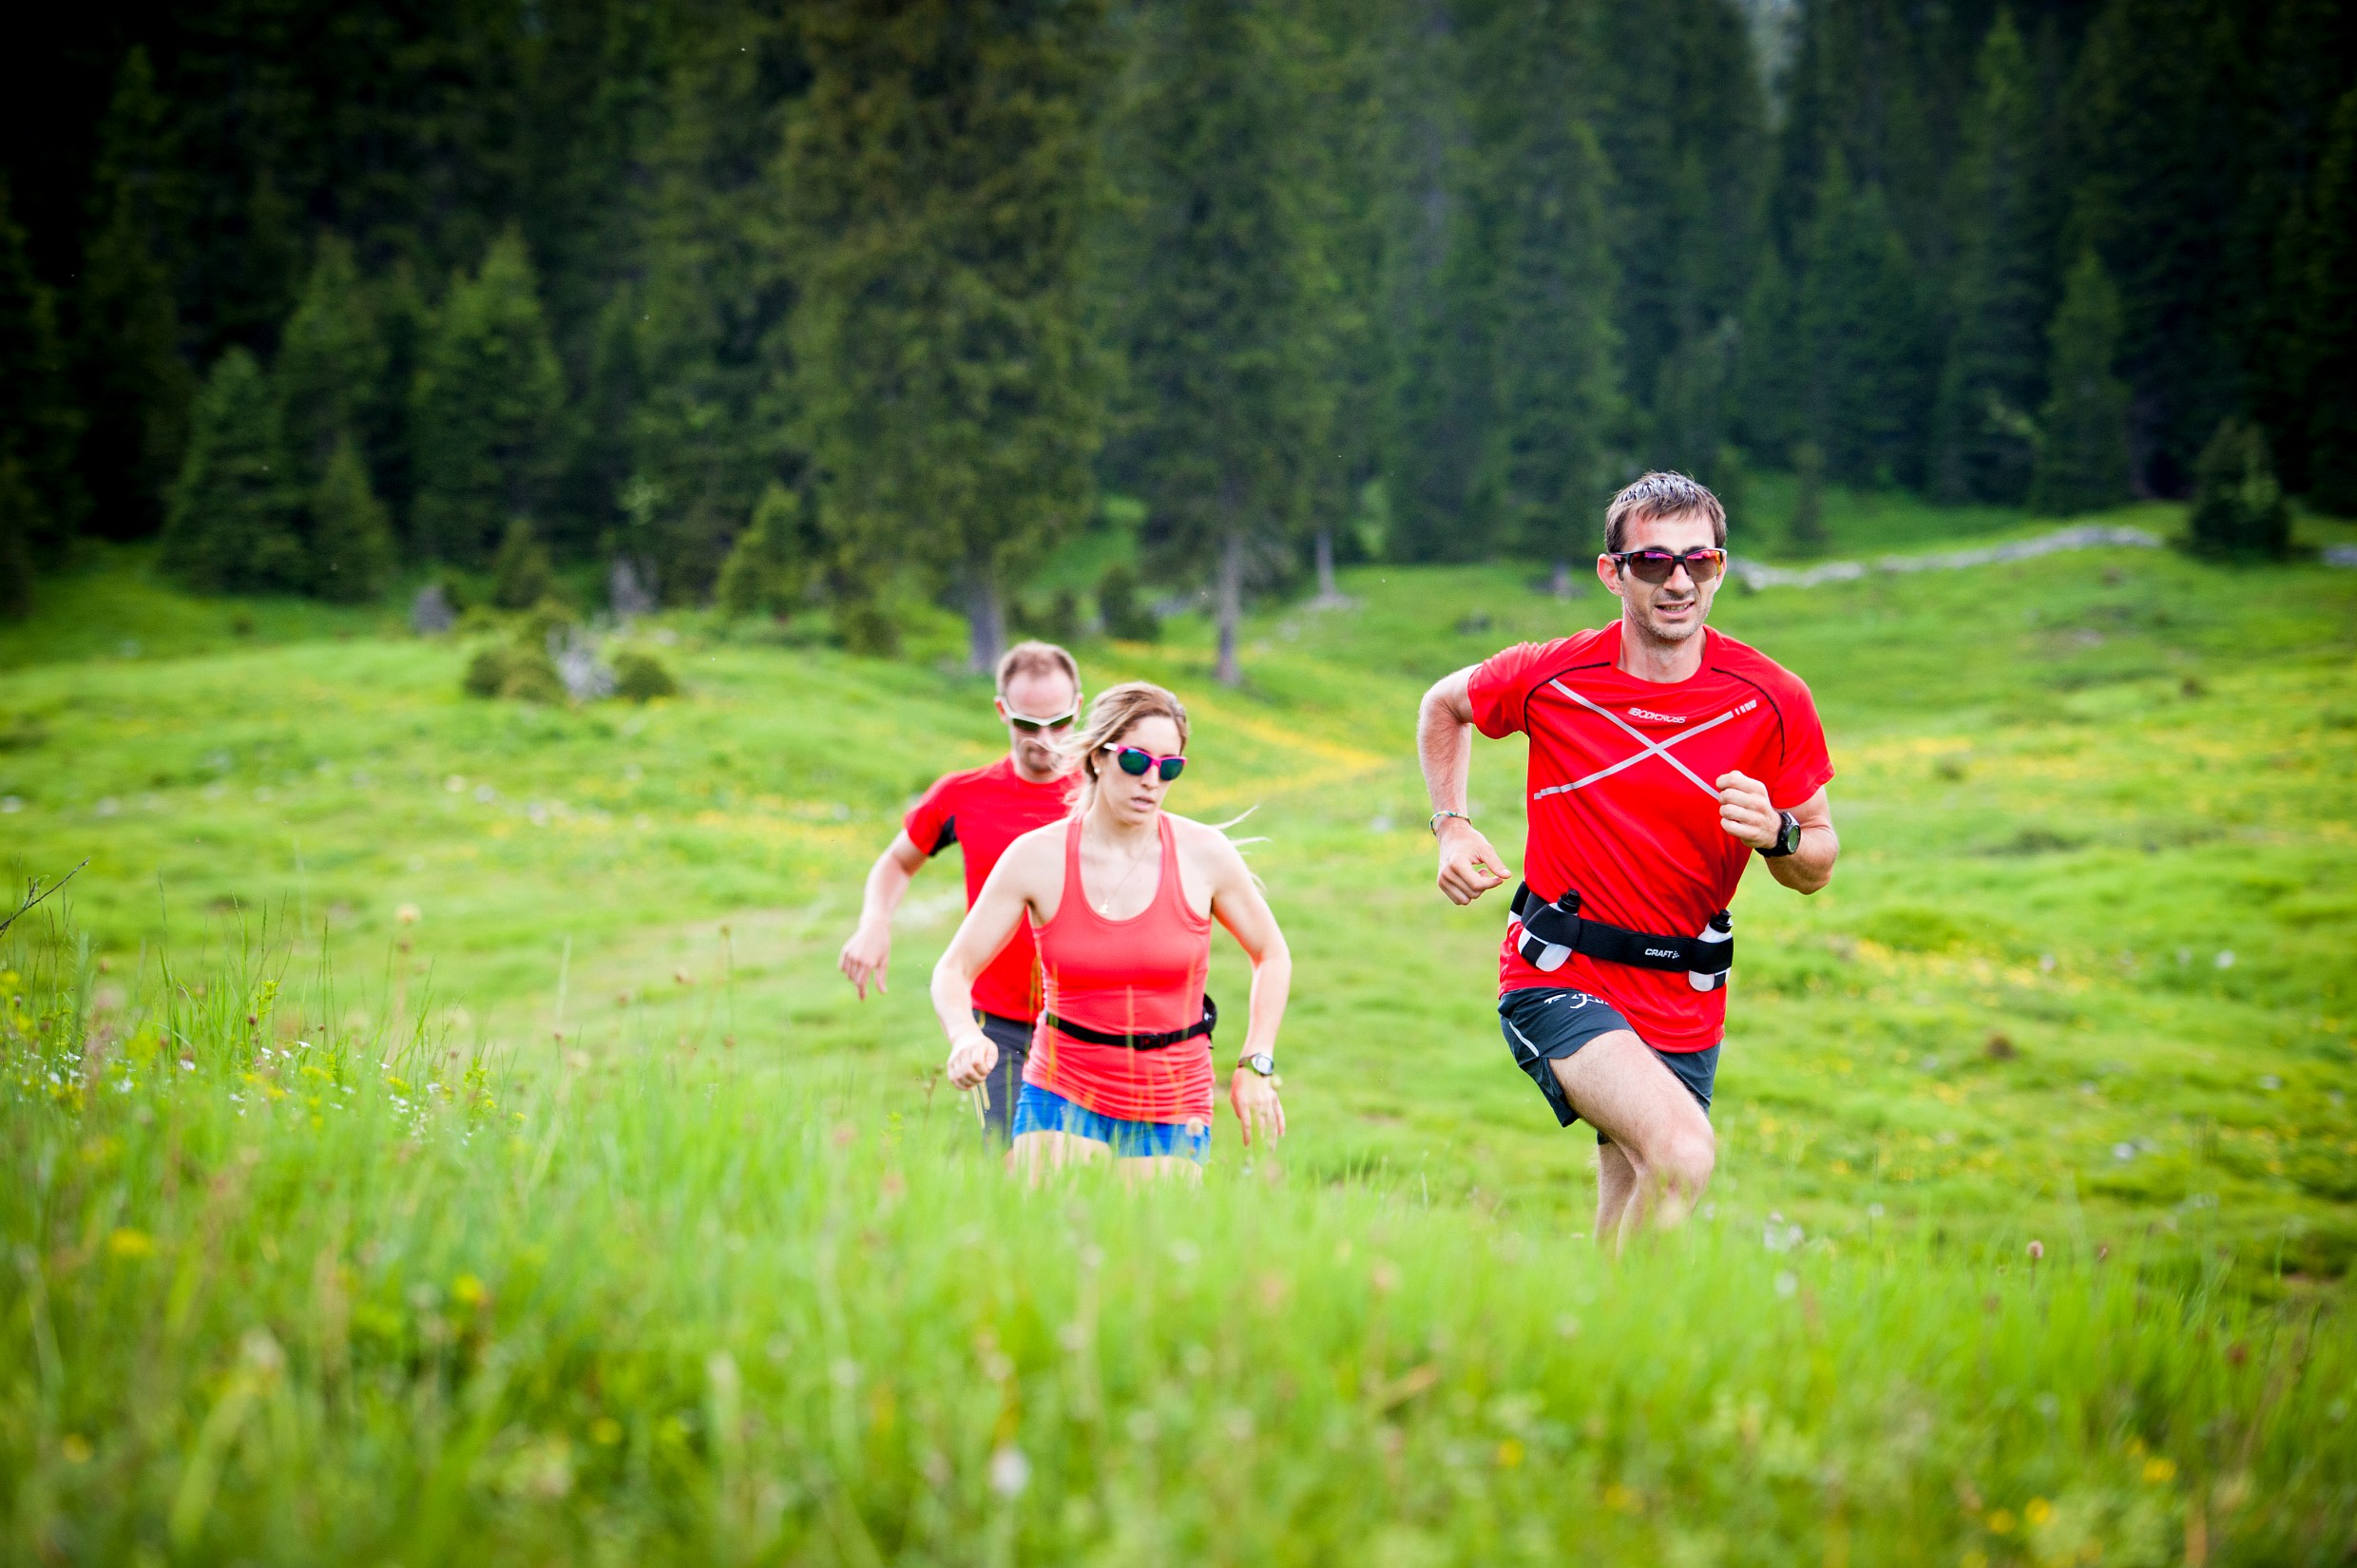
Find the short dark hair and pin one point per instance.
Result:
(1659, 495)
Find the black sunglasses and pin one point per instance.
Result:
(1657, 566)
(1135, 760)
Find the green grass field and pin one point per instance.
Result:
(589, 1216)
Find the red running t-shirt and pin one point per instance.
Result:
(1624, 804)
(982, 811)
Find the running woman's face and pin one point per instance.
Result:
(1038, 697)
(1671, 611)
(1135, 798)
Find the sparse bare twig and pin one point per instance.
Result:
(34, 893)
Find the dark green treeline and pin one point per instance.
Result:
(324, 295)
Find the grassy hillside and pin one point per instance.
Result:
(2067, 787)
(2083, 978)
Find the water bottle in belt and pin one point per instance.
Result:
(1721, 928)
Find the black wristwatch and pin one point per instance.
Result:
(1788, 837)
(1261, 1063)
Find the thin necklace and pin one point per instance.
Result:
(1136, 861)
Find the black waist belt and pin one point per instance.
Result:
(1088, 1035)
(1552, 932)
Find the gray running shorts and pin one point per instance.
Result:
(1545, 1022)
(1012, 1036)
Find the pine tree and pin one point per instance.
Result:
(937, 175)
(520, 573)
(1682, 120)
(2329, 322)
(1434, 297)
(1216, 361)
(1771, 374)
(1981, 432)
(487, 409)
(40, 494)
(20, 513)
(2159, 105)
(1865, 86)
(331, 361)
(2303, 64)
(2081, 459)
(231, 523)
(388, 436)
(1558, 373)
(133, 380)
(1862, 338)
(690, 388)
(2238, 508)
(352, 556)
(1337, 46)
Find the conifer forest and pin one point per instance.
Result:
(507, 506)
(846, 304)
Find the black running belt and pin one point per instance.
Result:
(1554, 931)
(1088, 1035)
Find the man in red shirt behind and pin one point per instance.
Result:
(982, 811)
(1663, 757)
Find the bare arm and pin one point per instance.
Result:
(1470, 867)
(1745, 812)
(868, 952)
(1237, 903)
(985, 929)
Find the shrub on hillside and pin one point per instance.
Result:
(764, 573)
(516, 671)
(865, 626)
(1805, 530)
(2238, 506)
(642, 677)
(1119, 608)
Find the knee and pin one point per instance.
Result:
(1685, 1159)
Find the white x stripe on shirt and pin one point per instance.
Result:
(1652, 748)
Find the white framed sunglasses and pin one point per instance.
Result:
(1034, 726)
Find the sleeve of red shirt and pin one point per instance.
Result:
(926, 818)
(1806, 766)
(1499, 689)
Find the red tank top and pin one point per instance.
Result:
(1143, 975)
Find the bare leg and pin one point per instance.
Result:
(1624, 1092)
(1038, 1154)
(1143, 1169)
(1615, 1183)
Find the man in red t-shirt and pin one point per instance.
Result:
(982, 811)
(1663, 758)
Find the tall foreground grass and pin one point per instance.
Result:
(273, 1295)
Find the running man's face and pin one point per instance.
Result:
(1671, 611)
(1038, 697)
(1134, 799)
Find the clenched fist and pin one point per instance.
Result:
(1744, 810)
(1470, 867)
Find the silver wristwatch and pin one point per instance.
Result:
(1261, 1063)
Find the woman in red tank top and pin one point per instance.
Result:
(1121, 896)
